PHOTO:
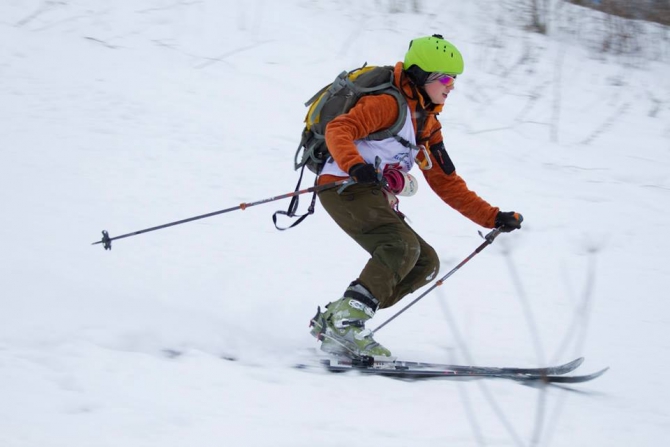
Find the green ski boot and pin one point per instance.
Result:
(341, 328)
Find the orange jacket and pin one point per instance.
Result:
(376, 112)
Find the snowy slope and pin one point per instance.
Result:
(125, 115)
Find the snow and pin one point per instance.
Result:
(129, 114)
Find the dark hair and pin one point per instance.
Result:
(417, 75)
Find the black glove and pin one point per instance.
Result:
(507, 221)
(364, 173)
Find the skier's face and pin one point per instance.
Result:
(438, 90)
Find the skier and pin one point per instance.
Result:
(401, 261)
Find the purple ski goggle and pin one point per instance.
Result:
(446, 79)
(442, 78)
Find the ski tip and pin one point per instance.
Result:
(595, 375)
(577, 362)
(602, 371)
(577, 379)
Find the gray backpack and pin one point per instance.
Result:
(338, 98)
(330, 102)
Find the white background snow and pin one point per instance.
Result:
(128, 114)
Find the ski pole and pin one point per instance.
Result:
(488, 240)
(106, 241)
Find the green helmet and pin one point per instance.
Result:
(432, 54)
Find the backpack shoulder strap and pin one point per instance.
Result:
(389, 88)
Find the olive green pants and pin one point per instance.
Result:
(401, 261)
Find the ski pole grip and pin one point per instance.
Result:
(490, 237)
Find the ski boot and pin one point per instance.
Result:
(341, 328)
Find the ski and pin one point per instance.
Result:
(383, 364)
(420, 370)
